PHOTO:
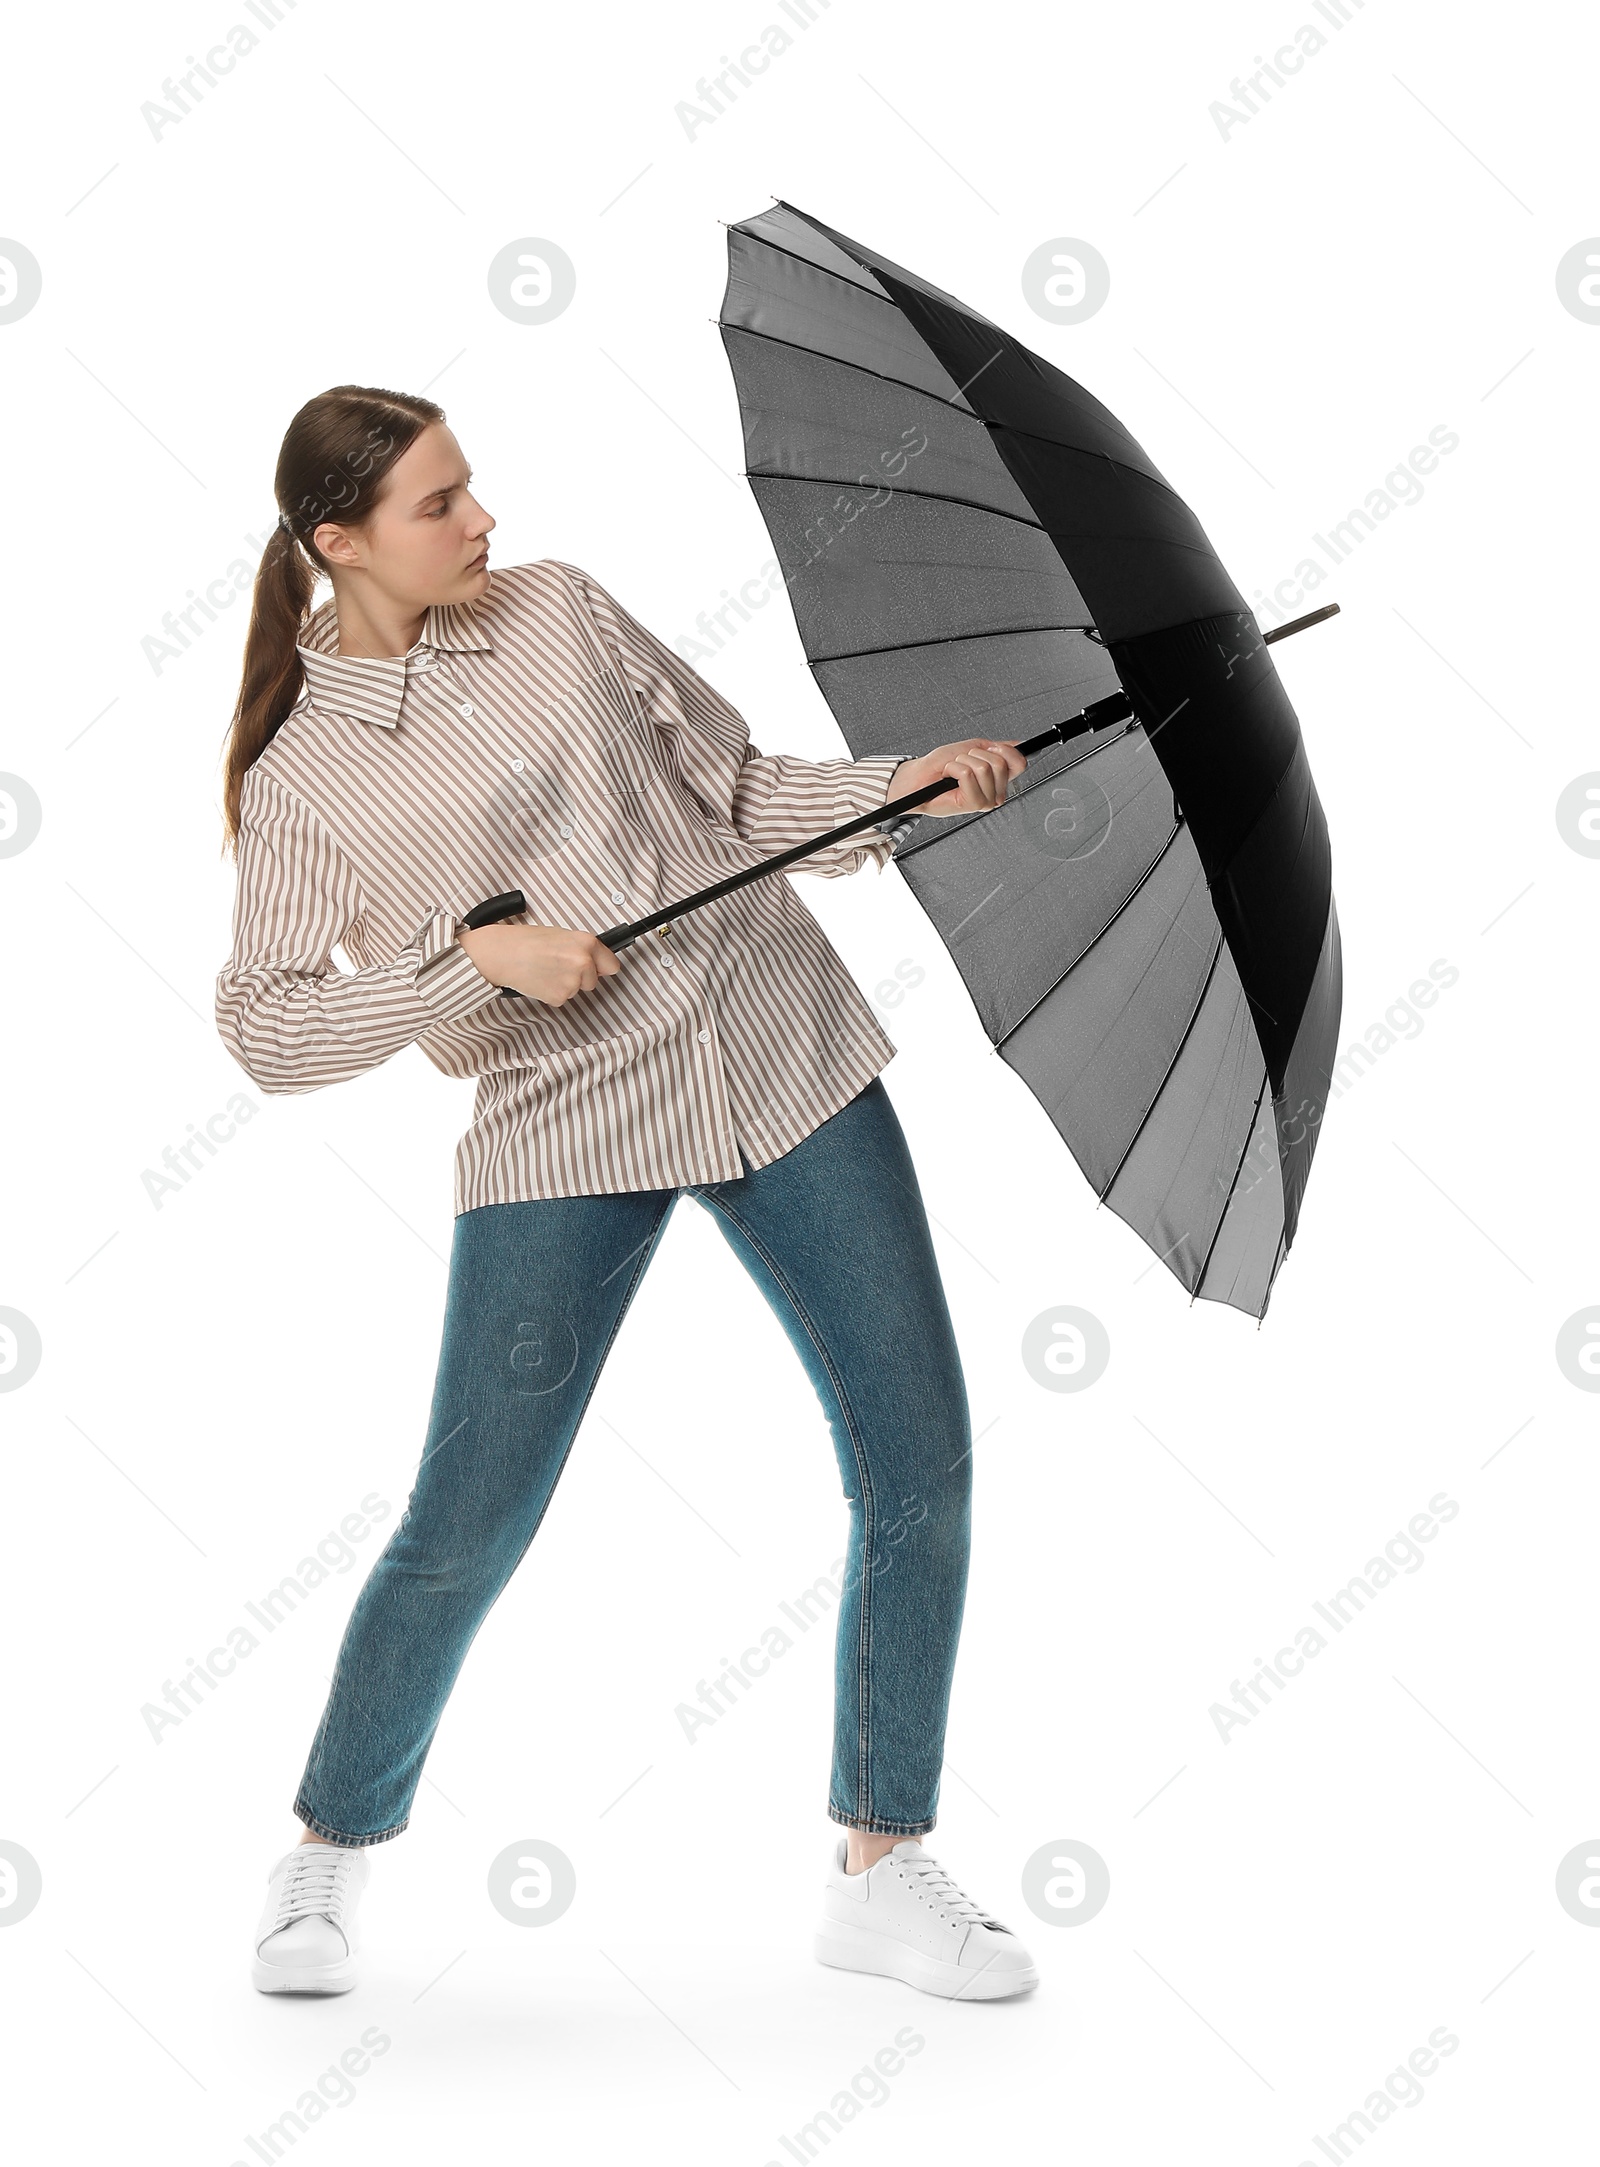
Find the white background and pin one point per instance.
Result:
(1292, 308)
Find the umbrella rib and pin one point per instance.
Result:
(924, 496)
(838, 361)
(920, 391)
(943, 639)
(889, 302)
(1122, 466)
(1278, 1256)
(1011, 1031)
(873, 293)
(1228, 1199)
(934, 292)
(1166, 1077)
(964, 307)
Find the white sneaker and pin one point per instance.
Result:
(905, 1917)
(306, 1942)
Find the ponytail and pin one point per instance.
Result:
(334, 460)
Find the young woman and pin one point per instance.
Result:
(435, 734)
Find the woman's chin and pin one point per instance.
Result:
(465, 587)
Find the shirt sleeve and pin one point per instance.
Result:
(291, 1019)
(772, 800)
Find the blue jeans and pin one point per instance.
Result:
(835, 1236)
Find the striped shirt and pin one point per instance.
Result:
(540, 738)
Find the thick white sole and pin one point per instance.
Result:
(857, 1948)
(307, 1979)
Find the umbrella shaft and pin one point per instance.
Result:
(1115, 707)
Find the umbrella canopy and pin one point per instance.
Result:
(974, 546)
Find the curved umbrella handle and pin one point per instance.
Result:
(510, 905)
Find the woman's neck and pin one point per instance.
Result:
(370, 624)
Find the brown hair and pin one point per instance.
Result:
(335, 457)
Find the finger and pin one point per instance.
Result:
(984, 786)
(964, 768)
(1000, 772)
(970, 777)
(606, 963)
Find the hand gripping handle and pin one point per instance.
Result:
(510, 905)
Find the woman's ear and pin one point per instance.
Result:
(337, 544)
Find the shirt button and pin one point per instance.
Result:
(466, 709)
(617, 896)
(666, 961)
(564, 830)
(517, 767)
(704, 1037)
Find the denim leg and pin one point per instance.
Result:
(536, 1294)
(835, 1235)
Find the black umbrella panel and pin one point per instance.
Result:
(974, 546)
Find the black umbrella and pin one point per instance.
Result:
(975, 546)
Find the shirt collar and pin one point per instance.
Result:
(371, 688)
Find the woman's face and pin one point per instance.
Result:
(427, 539)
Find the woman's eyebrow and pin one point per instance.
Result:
(432, 493)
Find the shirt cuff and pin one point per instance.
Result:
(862, 786)
(902, 823)
(447, 978)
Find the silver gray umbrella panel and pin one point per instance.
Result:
(974, 546)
